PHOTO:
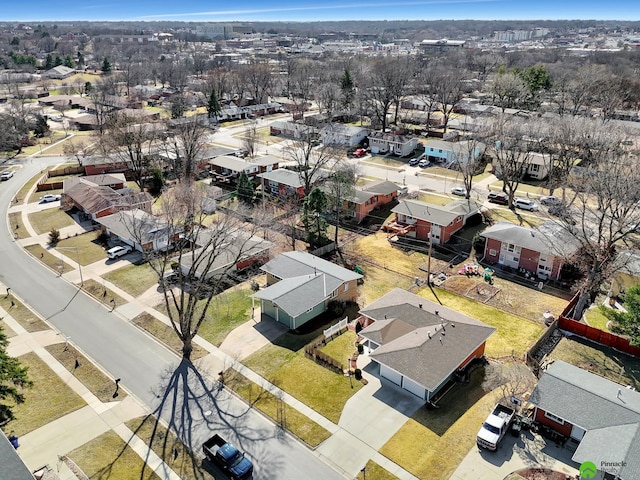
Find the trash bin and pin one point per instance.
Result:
(14, 441)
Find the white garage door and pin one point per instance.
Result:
(390, 374)
(413, 387)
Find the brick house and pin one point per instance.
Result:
(300, 287)
(420, 219)
(599, 418)
(227, 168)
(541, 251)
(370, 197)
(99, 201)
(420, 345)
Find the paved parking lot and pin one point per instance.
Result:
(528, 450)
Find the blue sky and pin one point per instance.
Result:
(310, 10)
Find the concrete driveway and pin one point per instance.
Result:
(528, 450)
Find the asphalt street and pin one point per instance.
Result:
(175, 390)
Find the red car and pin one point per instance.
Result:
(359, 152)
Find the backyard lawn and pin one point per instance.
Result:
(342, 346)
(432, 443)
(435, 199)
(89, 249)
(108, 457)
(604, 361)
(596, 318)
(44, 220)
(49, 398)
(504, 214)
(284, 364)
(133, 279)
(514, 335)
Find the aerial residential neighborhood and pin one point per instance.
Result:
(319, 250)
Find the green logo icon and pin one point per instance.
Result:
(588, 470)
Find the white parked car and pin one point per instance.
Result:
(6, 175)
(460, 191)
(526, 204)
(424, 163)
(118, 251)
(49, 198)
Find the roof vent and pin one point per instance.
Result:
(440, 340)
(429, 334)
(419, 305)
(437, 312)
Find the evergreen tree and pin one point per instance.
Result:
(80, 59)
(57, 61)
(13, 378)
(48, 63)
(106, 65)
(68, 62)
(245, 189)
(213, 107)
(347, 88)
(87, 88)
(315, 204)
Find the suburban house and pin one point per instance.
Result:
(116, 181)
(600, 416)
(371, 196)
(425, 221)
(453, 153)
(227, 168)
(65, 102)
(542, 251)
(347, 135)
(420, 345)
(282, 183)
(301, 286)
(97, 201)
(143, 231)
(295, 130)
(58, 73)
(534, 165)
(627, 272)
(214, 259)
(400, 145)
(11, 462)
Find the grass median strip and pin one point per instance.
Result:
(167, 446)
(102, 293)
(48, 258)
(108, 457)
(21, 314)
(17, 226)
(165, 334)
(294, 421)
(373, 471)
(49, 398)
(89, 375)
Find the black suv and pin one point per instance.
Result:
(500, 198)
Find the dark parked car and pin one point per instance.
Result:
(500, 198)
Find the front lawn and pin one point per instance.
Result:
(165, 334)
(435, 199)
(89, 249)
(284, 364)
(133, 279)
(227, 311)
(504, 214)
(514, 335)
(108, 457)
(49, 399)
(44, 220)
(433, 442)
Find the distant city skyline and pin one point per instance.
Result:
(315, 10)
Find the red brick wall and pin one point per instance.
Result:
(477, 353)
(564, 429)
(449, 230)
(422, 230)
(492, 244)
(529, 260)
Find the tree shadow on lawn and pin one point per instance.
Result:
(295, 340)
(453, 405)
(195, 408)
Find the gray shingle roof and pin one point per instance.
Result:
(550, 237)
(137, 226)
(296, 295)
(382, 187)
(437, 214)
(294, 264)
(420, 344)
(13, 468)
(609, 412)
(283, 176)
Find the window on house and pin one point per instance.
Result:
(440, 151)
(492, 252)
(551, 416)
(308, 311)
(346, 287)
(534, 167)
(511, 248)
(334, 294)
(543, 259)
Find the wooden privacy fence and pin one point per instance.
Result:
(598, 336)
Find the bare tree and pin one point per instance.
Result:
(257, 78)
(448, 89)
(183, 149)
(204, 257)
(250, 139)
(341, 188)
(473, 161)
(512, 142)
(513, 378)
(507, 90)
(310, 160)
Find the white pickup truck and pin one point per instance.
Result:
(495, 427)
